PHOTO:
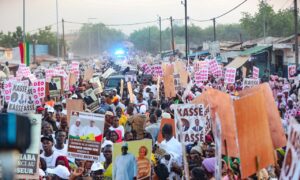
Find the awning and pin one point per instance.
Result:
(254, 50)
(238, 62)
(199, 53)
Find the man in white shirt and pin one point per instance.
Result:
(75, 129)
(48, 154)
(116, 127)
(91, 129)
(60, 147)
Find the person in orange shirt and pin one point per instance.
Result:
(50, 101)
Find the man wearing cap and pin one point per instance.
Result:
(75, 129)
(48, 154)
(60, 172)
(125, 165)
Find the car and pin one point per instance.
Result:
(113, 82)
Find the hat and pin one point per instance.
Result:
(49, 138)
(74, 96)
(60, 171)
(40, 109)
(125, 144)
(64, 101)
(97, 166)
(106, 142)
(109, 113)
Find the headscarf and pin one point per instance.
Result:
(63, 158)
(209, 164)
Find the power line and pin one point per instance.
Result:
(234, 8)
(50, 25)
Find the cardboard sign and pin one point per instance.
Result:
(18, 100)
(168, 69)
(177, 82)
(122, 88)
(90, 99)
(275, 124)
(244, 71)
(73, 105)
(221, 103)
(184, 76)
(131, 95)
(162, 123)
(193, 122)
(85, 135)
(254, 138)
(169, 86)
(140, 153)
(291, 71)
(291, 163)
(179, 66)
(28, 162)
(88, 74)
(72, 79)
(255, 72)
(230, 75)
(248, 83)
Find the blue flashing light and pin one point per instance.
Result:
(119, 52)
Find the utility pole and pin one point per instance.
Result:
(186, 30)
(63, 40)
(57, 32)
(24, 32)
(215, 35)
(160, 45)
(172, 35)
(296, 32)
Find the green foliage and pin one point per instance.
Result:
(96, 38)
(275, 23)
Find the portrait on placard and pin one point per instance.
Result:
(55, 86)
(140, 163)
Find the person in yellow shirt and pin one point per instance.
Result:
(121, 116)
(107, 151)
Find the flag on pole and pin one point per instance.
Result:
(24, 53)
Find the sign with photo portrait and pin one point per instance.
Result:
(90, 99)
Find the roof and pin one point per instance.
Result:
(199, 53)
(238, 62)
(254, 50)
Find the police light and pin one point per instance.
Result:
(119, 52)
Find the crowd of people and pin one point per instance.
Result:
(127, 121)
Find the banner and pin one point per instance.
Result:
(248, 83)
(96, 85)
(230, 75)
(141, 152)
(88, 74)
(255, 72)
(291, 163)
(90, 99)
(7, 90)
(193, 122)
(85, 135)
(28, 163)
(18, 99)
(291, 71)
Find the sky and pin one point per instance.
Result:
(40, 13)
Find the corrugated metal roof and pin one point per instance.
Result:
(254, 50)
(238, 62)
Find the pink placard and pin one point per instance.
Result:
(255, 72)
(230, 75)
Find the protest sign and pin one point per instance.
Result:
(147, 69)
(222, 104)
(203, 74)
(72, 79)
(90, 99)
(230, 75)
(28, 162)
(244, 71)
(275, 124)
(122, 88)
(7, 90)
(248, 83)
(31, 100)
(88, 74)
(184, 75)
(179, 66)
(255, 72)
(85, 135)
(218, 151)
(39, 87)
(131, 95)
(169, 86)
(55, 87)
(253, 129)
(168, 69)
(291, 71)
(291, 163)
(141, 150)
(96, 85)
(18, 99)
(157, 70)
(73, 105)
(193, 121)
(177, 82)
(130, 77)
(213, 66)
(162, 123)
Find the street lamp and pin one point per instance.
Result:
(186, 28)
